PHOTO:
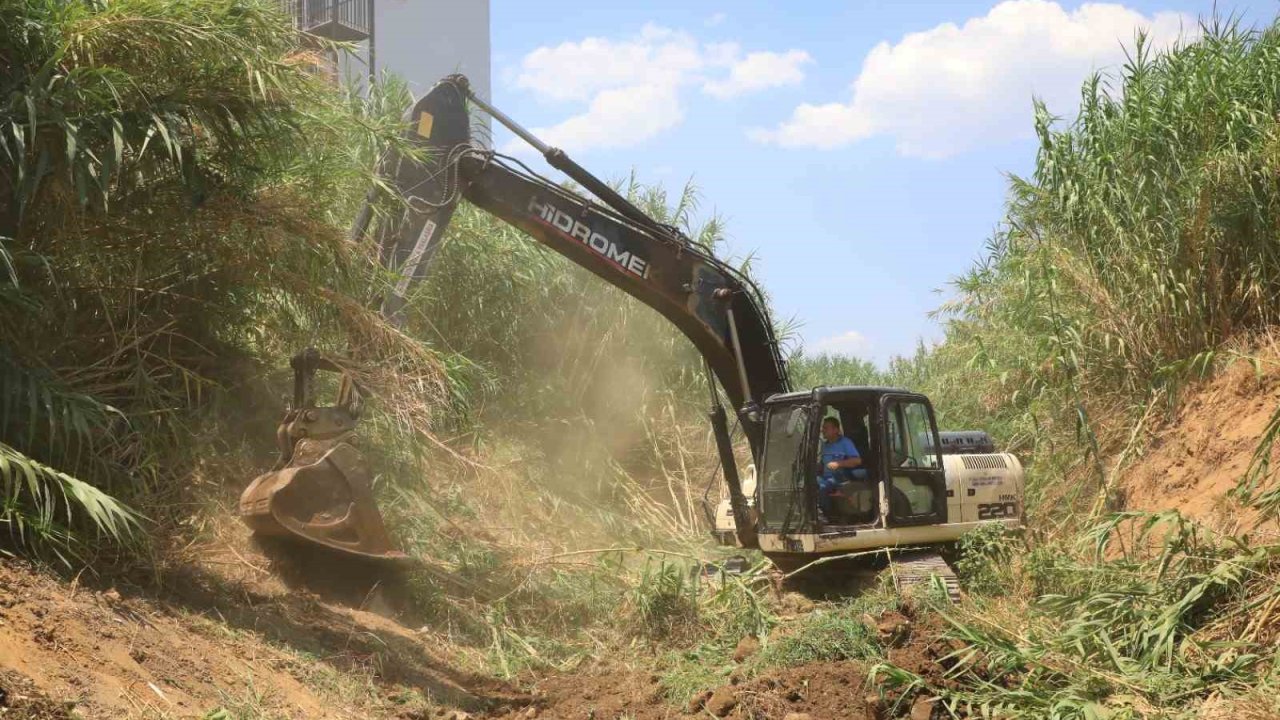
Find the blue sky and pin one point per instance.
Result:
(860, 203)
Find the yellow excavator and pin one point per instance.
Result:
(916, 491)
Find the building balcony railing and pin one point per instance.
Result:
(341, 20)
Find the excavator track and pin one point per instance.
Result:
(914, 568)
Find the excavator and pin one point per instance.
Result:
(917, 491)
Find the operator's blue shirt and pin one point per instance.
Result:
(842, 449)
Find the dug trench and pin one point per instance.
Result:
(237, 632)
(227, 646)
(813, 691)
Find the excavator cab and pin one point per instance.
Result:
(916, 487)
(900, 483)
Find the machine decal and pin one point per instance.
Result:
(410, 269)
(578, 230)
(425, 121)
(991, 511)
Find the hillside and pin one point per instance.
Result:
(248, 646)
(1194, 461)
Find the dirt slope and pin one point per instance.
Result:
(214, 643)
(1200, 454)
(210, 642)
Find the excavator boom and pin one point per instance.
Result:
(716, 306)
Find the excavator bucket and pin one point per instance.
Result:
(320, 490)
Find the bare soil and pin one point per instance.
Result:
(20, 699)
(205, 642)
(1198, 456)
(821, 690)
(816, 691)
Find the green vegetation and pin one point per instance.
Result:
(828, 635)
(986, 555)
(176, 186)
(831, 632)
(161, 239)
(1142, 245)
(665, 604)
(1141, 616)
(827, 369)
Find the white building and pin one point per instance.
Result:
(419, 40)
(424, 40)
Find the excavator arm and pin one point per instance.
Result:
(717, 307)
(713, 304)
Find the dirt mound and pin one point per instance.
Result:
(818, 690)
(843, 690)
(823, 691)
(602, 693)
(211, 643)
(1200, 454)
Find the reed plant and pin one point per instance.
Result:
(171, 178)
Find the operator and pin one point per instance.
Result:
(838, 453)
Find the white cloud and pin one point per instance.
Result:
(848, 343)
(760, 71)
(618, 117)
(578, 70)
(952, 88)
(716, 19)
(631, 89)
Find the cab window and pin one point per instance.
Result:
(785, 437)
(782, 482)
(911, 450)
(897, 446)
(922, 453)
